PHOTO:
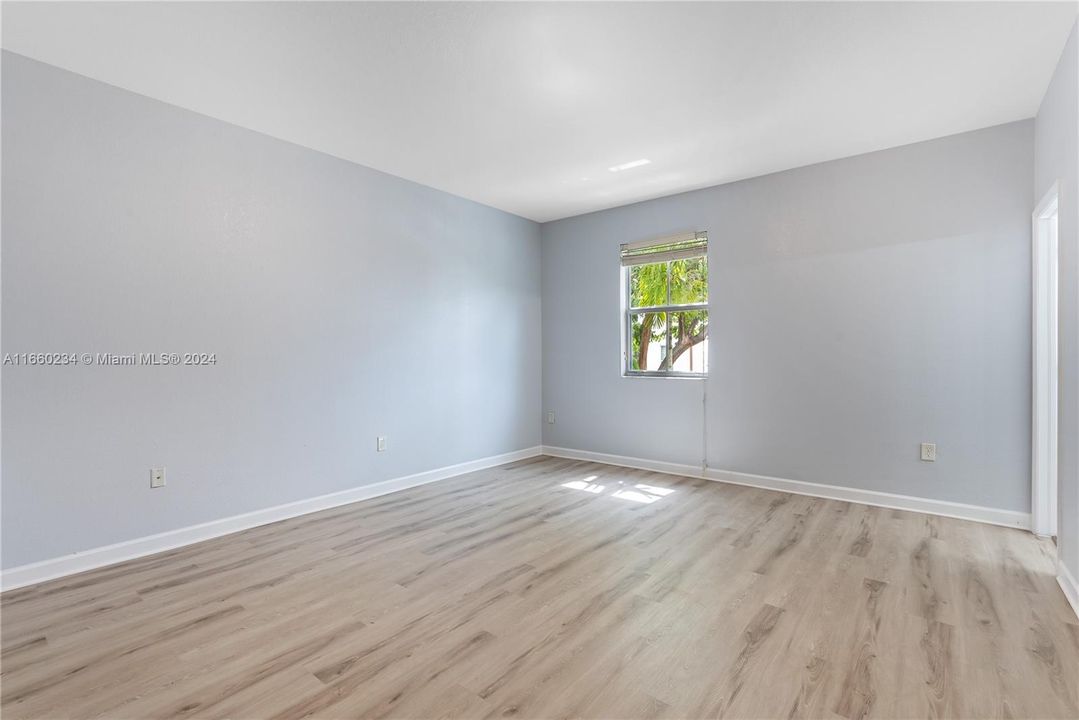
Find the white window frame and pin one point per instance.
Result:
(628, 311)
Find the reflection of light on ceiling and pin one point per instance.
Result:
(586, 484)
(629, 165)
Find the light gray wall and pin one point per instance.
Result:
(1056, 157)
(858, 308)
(342, 303)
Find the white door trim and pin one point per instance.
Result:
(1044, 398)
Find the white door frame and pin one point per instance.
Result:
(1044, 263)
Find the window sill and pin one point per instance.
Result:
(664, 376)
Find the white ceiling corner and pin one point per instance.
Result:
(525, 106)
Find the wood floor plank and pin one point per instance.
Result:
(559, 588)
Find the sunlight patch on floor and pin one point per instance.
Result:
(639, 493)
(586, 485)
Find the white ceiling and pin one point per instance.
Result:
(525, 106)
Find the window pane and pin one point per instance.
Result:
(648, 341)
(689, 341)
(689, 281)
(648, 285)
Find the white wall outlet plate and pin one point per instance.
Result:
(929, 452)
(380, 443)
(157, 477)
(550, 417)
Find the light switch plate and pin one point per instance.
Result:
(157, 477)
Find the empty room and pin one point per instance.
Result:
(604, 360)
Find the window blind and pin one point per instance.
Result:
(675, 247)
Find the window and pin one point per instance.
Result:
(666, 306)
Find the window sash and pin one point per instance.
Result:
(638, 309)
(627, 350)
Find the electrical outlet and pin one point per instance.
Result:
(380, 443)
(157, 477)
(929, 452)
(550, 417)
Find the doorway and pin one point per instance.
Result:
(1045, 262)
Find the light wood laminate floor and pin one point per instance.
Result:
(557, 588)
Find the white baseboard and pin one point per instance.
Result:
(625, 461)
(1069, 585)
(993, 516)
(130, 549)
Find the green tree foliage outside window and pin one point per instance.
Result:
(667, 285)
